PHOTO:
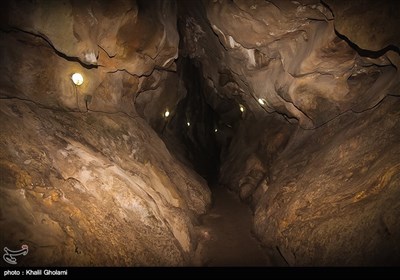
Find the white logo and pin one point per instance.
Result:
(10, 255)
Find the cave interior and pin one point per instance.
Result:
(200, 133)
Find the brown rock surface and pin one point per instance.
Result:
(370, 25)
(328, 196)
(112, 46)
(93, 189)
(291, 104)
(324, 188)
(84, 180)
(287, 56)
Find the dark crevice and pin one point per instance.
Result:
(368, 53)
(194, 123)
(360, 51)
(327, 6)
(48, 42)
(65, 110)
(190, 132)
(203, 123)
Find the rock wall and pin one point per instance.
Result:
(328, 196)
(332, 195)
(304, 98)
(314, 121)
(94, 189)
(84, 180)
(287, 57)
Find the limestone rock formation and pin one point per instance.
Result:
(327, 196)
(322, 174)
(112, 46)
(368, 24)
(286, 57)
(94, 189)
(293, 105)
(84, 180)
(324, 189)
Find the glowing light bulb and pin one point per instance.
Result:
(166, 114)
(261, 101)
(188, 123)
(241, 107)
(77, 78)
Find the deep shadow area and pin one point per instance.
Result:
(203, 123)
(194, 123)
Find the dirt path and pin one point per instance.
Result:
(228, 241)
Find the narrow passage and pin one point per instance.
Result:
(227, 234)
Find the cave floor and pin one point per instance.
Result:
(227, 235)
